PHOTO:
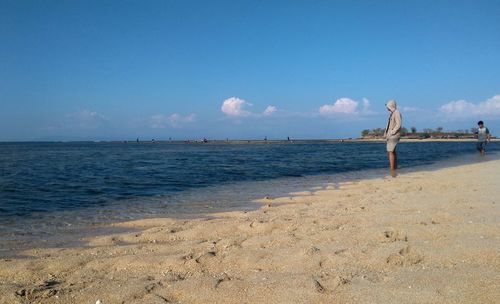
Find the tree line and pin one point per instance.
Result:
(439, 132)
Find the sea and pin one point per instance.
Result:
(52, 193)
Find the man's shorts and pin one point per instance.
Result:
(481, 145)
(392, 142)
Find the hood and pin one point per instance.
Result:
(391, 105)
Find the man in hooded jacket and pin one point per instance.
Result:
(393, 133)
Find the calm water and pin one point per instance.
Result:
(49, 187)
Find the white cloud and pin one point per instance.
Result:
(270, 110)
(175, 120)
(348, 106)
(234, 107)
(85, 119)
(458, 107)
(366, 107)
(343, 105)
(366, 104)
(86, 115)
(463, 108)
(405, 109)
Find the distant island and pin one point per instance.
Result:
(413, 133)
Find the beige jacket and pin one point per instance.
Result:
(394, 123)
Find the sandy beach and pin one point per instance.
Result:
(422, 237)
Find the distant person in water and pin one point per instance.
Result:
(393, 133)
(483, 136)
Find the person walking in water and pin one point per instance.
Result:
(393, 133)
(483, 136)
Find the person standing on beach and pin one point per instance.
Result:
(483, 136)
(393, 133)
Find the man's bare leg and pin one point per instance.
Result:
(392, 160)
(395, 160)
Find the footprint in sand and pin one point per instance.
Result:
(44, 290)
(395, 236)
(205, 257)
(224, 278)
(405, 257)
(318, 286)
(312, 250)
(175, 229)
(326, 283)
(172, 276)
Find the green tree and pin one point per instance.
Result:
(427, 130)
(413, 130)
(404, 131)
(365, 133)
(378, 132)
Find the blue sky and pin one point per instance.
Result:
(244, 69)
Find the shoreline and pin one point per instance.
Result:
(383, 240)
(65, 236)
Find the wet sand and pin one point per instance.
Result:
(423, 237)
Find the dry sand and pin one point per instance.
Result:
(423, 237)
